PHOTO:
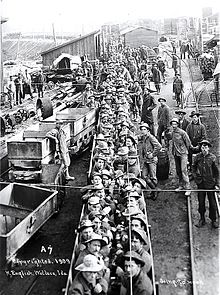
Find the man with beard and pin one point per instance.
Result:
(148, 105)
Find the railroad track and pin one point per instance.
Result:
(172, 240)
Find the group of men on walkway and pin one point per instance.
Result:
(23, 85)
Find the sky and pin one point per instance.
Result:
(87, 15)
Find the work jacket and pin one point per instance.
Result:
(141, 285)
(196, 132)
(180, 142)
(148, 105)
(163, 116)
(205, 170)
(150, 145)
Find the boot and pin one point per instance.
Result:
(150, 183)
(201, 222)
(154, 195)
(214, 224)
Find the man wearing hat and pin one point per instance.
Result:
(139, 239)
(148, 105)
(138, 185)
(93, 205)
(88, 280)
(137, 100)
(121, 161)
(93, 246)
(183, 122)
(86, 229)
(174, 63)
(149, 151)
(156, 77)
(206, 175)
(163, 118)
(196, 132)
(58, 134)
(139, 221)
(141, 284)
(180, 148)
(178, 88)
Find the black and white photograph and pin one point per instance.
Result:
(109, 147)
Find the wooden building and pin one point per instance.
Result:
(136, 37)
(87, 45)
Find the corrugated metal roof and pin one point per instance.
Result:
(130, 29)
(69, 42)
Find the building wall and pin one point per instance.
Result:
(141, 36)
(85, 46)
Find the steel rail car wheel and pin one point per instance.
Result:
(44, 107)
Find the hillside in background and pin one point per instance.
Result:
(24, 49)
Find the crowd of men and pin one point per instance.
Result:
(17, 88)
(114, 236)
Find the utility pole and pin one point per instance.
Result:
(3, 20)
(54, 34)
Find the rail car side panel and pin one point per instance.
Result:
(42, 204)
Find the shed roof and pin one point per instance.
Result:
(70, 42)
(130, 29)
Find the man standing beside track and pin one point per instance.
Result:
(180, 146)
(148, 105)
(156, 77)
(178, 89)
(206, 175)
(163, 118)
(150, 149)
(196, 132)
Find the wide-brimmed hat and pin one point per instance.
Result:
(106, 172)
(141, 235)
(90, 263)
(100, 136)
(195, 113)
(145, 125)
(96, 237)
(121, 89)
(100, 157)
(84, 224)
(107, 126)
(162, 99)
(176, 120)
(123, 151)
(132, 139)
(140, 217)
(123, 133)
(141, 181)
(205, 142)
(134, 256)
(180, 112)
(131, 211)
(133, 194)
(129, 176)
(125, 123)
(118, 173)
(96, 174)
(94, 200)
